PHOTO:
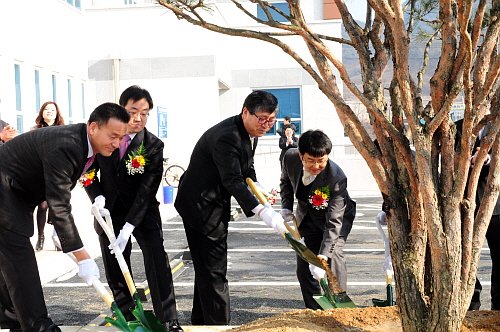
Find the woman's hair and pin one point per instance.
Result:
(40, 122)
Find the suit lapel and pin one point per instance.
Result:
(133, 146)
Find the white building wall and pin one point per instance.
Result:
(44, 36)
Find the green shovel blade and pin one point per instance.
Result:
(301, 250)
(146, 317)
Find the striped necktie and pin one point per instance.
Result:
(88, 163)
(124, 146)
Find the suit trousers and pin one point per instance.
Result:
(313, 236)
(493, 238)
(22, 304)
(158, 274)
(211, 289)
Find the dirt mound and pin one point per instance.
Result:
(374, 319)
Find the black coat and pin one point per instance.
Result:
(136, 192)
(221, 161)
(42, 165)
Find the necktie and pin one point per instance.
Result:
(88, 163)
(306, 178)
(124, 145)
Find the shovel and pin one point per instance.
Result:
(388, 273)
(146, 320)
(337, 299)
(119, 320)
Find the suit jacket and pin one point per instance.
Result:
(335, 220)
(221, 161)
(483, 176)
(284, 148)
(42, 165)
(134, 195)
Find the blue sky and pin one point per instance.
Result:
(357, 9)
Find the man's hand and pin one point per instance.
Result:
(7, 133)
(284, 213)
(317, 272)
(123, 237)
(88, 271)
(272, 219)
(99, 203)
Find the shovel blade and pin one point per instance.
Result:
(323, 302)
(301, 250)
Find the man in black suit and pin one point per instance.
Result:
(493, 232)
(130, 197)
(325, 212)
(221, 161)
(44, 165)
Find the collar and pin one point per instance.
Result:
(91, 152)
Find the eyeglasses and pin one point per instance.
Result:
(263, 121)
(315, 162)
(134, 114)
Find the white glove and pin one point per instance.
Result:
(317, 272)
(88, 271)
(388, 265)
(99, 203)
(284, 213)
(123, 237)
(382, 218)
(272, 219)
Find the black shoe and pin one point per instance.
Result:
(39, 243)
(52, 328)
(173, 326)
(474, 306)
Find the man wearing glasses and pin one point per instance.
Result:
(325, 212)
(129, 194)
(221, 161)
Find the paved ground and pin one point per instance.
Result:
(261, 269)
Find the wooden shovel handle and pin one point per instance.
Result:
(260, 196)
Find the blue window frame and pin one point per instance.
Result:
(54, 89)
(20, 124)
(283, 6)
(17, 79)
(37, 90)
(70, 104)
(83, 101)
(289, 104)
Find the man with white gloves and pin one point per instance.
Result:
(37, 166)
(221, 161)
(325, 212)
(128, 194)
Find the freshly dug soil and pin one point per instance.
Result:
(376, 319)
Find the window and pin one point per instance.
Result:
(75, 3)
(54, 88)
(37, 91)
(289, 104)
(70, 106)
(83, 101)
(282, 6)
(20, 124)
(17, 79)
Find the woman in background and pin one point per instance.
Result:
(49, 115)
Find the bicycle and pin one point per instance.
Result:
(172, 173)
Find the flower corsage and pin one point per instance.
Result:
(137, 160)
(272, 195)
(320, 197)
(87, 178)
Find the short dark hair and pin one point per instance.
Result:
(135, 93)
(315, 143)
(260, 100)
(106, 111)
(287, 118)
